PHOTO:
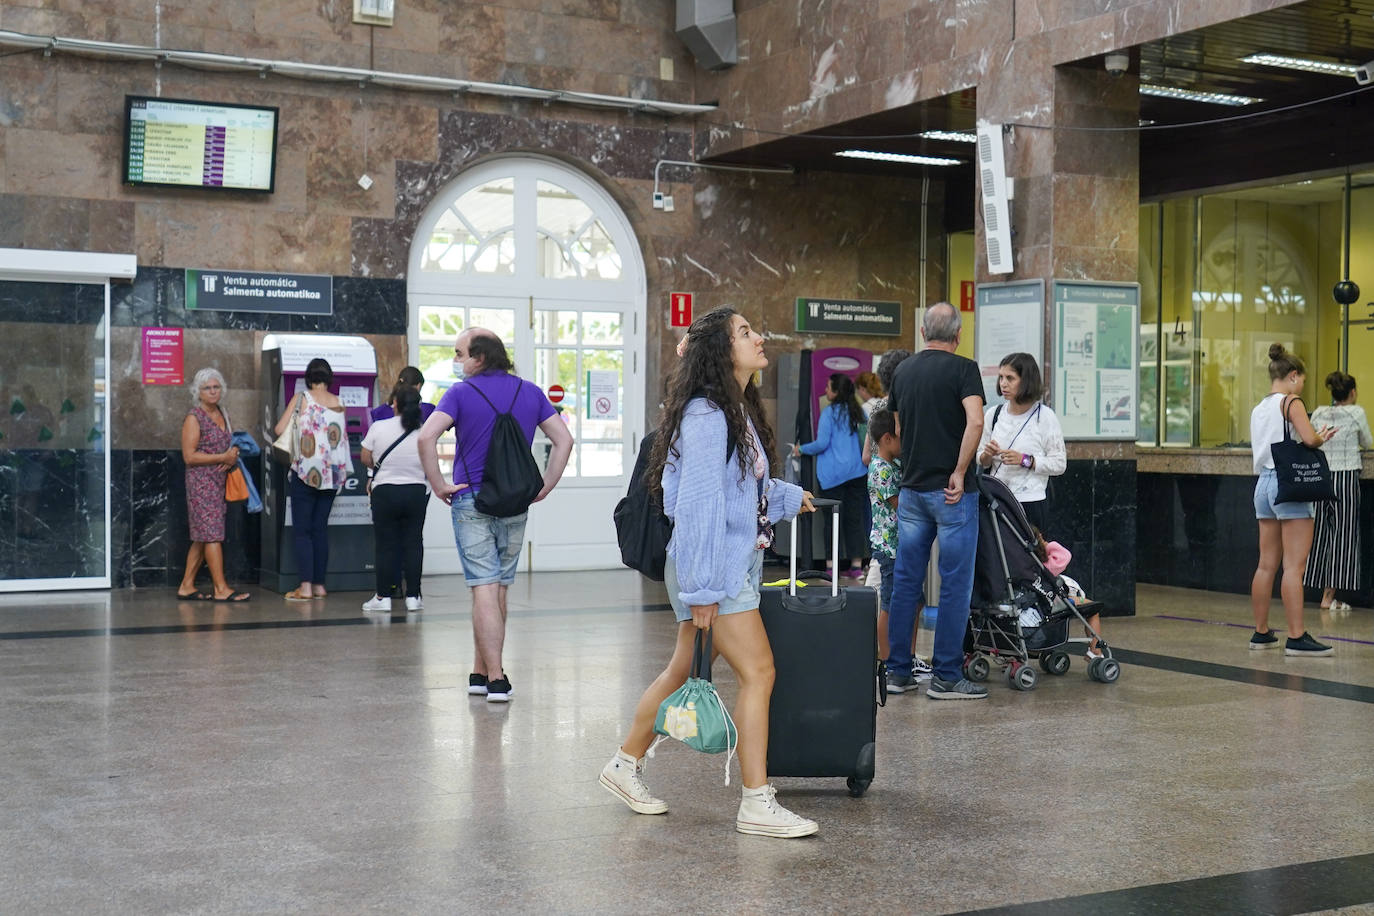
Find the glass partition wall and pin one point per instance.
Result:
(1225, 275)
(54, 466)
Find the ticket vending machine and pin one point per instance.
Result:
(284, 358)
(802, 379)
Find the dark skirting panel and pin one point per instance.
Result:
(1093, 514)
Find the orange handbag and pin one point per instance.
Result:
(235, 487)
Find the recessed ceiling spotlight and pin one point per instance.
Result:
(897, 157)
(954, 136)
(1193, 95)
(1300, 63)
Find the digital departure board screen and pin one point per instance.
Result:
(184, 144)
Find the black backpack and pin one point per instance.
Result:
(511, 478)
(641, 528)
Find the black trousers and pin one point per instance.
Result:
(398, 531)
(854, 519)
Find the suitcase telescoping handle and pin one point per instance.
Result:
(820, 503)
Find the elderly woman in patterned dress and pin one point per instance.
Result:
(209, 452)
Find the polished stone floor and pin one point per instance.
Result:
(165, 757)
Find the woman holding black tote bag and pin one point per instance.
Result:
(1285, 528)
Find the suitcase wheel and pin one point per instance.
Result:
(857, 786)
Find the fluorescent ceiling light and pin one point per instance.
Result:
(897, 157)
(1301, 63)
(1192, 95)
(956, 136)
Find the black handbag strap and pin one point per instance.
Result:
(701, 657)
(377, 465)
(1287, 437)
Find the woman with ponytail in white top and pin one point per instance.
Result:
(1285, 529)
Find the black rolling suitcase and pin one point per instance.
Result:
(823, 716)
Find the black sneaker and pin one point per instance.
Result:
(477, 685)
(498, 691)
(901, 683)
(1306, 645)
(962, 689)
(1265, 640)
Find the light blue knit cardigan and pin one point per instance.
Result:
(714, 513)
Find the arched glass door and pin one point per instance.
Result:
(541, 255)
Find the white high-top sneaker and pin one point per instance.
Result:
(621, 777)
(760, 813)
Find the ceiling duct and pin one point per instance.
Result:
(707, 28)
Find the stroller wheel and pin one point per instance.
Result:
(1055, 662)
(977, 668)
(1021, 677)
(1106, 670)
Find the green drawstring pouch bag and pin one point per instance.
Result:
(694, 713)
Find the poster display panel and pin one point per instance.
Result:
(1010, 318)
(1097, 382)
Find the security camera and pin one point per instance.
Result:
(1117, 63)
(1364, 74)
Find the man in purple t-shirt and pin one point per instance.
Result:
(488, 546)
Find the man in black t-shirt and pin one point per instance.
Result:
(937, 396)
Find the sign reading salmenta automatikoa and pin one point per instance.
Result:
(849, 316)
(251, 291)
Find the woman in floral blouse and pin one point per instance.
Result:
(317, 475)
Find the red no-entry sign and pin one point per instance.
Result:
(680, 310)
(556, 393)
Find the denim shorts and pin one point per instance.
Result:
(1266, 488)
(746, 600)
(488, 546)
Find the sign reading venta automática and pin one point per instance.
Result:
(250, 291)
(850, 316)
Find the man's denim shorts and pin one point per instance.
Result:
(1266, 488)
(488, 546)
(746, 600)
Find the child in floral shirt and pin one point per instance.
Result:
(884, 483)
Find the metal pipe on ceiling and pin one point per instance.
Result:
(109, 50)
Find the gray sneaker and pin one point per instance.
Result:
(962, 689)
(901, 683)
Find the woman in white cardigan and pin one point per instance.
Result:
(1023, 444)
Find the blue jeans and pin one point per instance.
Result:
(921, 519)
(310, 510)
(488, 546)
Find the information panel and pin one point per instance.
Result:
(1009, 318)
(179, 143)
(1097, 327)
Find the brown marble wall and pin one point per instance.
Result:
(805, 65)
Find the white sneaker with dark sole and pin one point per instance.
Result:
(622, 778)
(761, 815)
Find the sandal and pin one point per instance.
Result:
(295, 595)
(195, 596)
(1339, 605)
(236, 597)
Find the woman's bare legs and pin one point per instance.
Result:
(1262, 585)
(214, 559)
(641, 733)
(743, 643)
(1297, 544)
(194, 557)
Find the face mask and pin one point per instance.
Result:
(458, 373)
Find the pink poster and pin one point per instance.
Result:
(162, 357)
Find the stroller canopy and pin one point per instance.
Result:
(1006, 545)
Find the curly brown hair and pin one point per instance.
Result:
(707, 369)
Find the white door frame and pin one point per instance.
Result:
(574, 498)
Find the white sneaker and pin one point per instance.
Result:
(415, 604)
(377, 603)
(760, 814)
(621, 777)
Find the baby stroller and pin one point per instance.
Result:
(1020, 610)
